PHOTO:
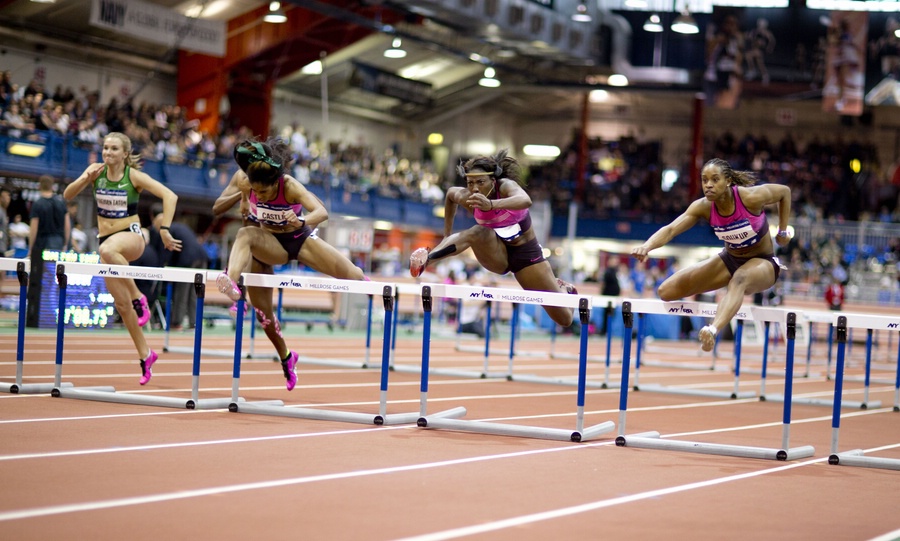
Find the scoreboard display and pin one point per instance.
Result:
(88, 303)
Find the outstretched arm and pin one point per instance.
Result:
(454, 198)
(698, 209)
(231, 195)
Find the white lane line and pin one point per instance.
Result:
(522, 520)
(184, 494)
(83, 452)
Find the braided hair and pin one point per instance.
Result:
(739, 178)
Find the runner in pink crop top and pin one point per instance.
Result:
(274, 212)
(742, 228)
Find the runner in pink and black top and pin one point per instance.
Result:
(275, 201)
(503, 240)
(735, 209)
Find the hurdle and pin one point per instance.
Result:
(109, 394)
(652, 440)
(857, 457)
(250, 354)
(688, 308)
(328, 284)
(763, 314)
(583, 304)
(22, 268)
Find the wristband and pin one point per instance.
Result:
(782, 233)
(163, 228)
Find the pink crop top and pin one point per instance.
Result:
(507, 224)
(742, 228)
(273, 212)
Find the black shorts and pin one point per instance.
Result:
(733, 263)
(133, 228)
(292, 241)
(523, 255)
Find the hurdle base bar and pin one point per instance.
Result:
(340, 363)
(220, 353)
(325, 415)
(530, 378)
(687, 366)
(656, 388)
(109, 394)
(856, 458)
(741, 451)
(412, 369)
(500, 429)
(233, 406)
(872, 381)
(849, 404)
(30, 388)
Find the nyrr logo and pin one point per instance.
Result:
(109, 272)
(291, 283)
(681, 310)
(893, 326)
(483, 294)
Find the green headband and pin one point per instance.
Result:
(258, 154)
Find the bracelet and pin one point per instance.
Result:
(163, 228)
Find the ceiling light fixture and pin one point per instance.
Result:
(653, 24)
(581, 14)
(489, 80)
(395, 51)
(685, 24)
(276, 14)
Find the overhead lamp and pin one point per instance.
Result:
(581, 14)
(395, 51)
(29, 150)
(489, 80)
(617, 79)
(653, 24)
(44, 1)
(276, 14)
(685, 24)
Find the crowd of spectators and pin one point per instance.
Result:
(832, 180)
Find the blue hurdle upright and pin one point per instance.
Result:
(109, 394)
(857, 457)
(652, 440)
(22, 267)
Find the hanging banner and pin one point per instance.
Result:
(159, 25)
(388, 84)
(845, 70)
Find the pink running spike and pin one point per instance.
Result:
(290, 371)
(146, 364)
(227, 286)
(142, 309)
(417, 261)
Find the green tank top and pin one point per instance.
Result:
(116, 199)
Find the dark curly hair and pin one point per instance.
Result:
(264, 162)
(500, 165)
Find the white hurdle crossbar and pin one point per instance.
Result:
(582, 304)
(689, 308)
(308, 283)
(109, 394)
(842, 322)
(22, 268)
(652, 440)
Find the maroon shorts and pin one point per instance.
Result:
(733, 263)
(523, 255)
